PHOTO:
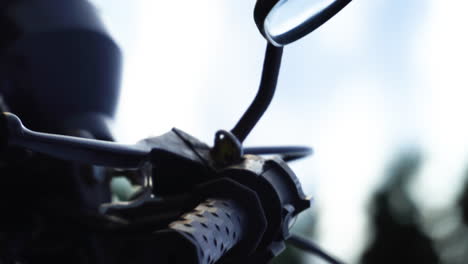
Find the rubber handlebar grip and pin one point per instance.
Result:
(209, 231)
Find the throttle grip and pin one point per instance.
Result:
(212, 229)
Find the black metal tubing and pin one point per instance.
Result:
(309, 246)
(271, 68)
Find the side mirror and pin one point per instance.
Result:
(281, 22)
(284, 21)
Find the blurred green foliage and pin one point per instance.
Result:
(399, 236)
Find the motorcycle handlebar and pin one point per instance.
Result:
(205, 234)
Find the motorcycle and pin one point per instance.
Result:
(193, 203)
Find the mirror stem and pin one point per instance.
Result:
(271, 68)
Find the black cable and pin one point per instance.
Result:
(309, 246)
(288, 153)
(271, 67)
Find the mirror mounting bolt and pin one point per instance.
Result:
(227, 149)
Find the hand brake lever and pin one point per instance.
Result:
(91, 151)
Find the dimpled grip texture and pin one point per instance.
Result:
(213, 227)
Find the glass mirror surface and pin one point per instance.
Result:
(290, 20)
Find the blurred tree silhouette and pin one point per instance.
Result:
(398, 234)
(453, 245)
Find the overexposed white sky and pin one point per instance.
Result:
(380, 77)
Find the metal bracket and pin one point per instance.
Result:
(227, 149)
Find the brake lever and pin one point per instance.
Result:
(173, 153)
(175, 144)
(90, 151)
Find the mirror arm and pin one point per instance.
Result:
(271, 68)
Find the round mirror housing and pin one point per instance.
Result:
(284, 21)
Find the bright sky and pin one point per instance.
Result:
(379, 77)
